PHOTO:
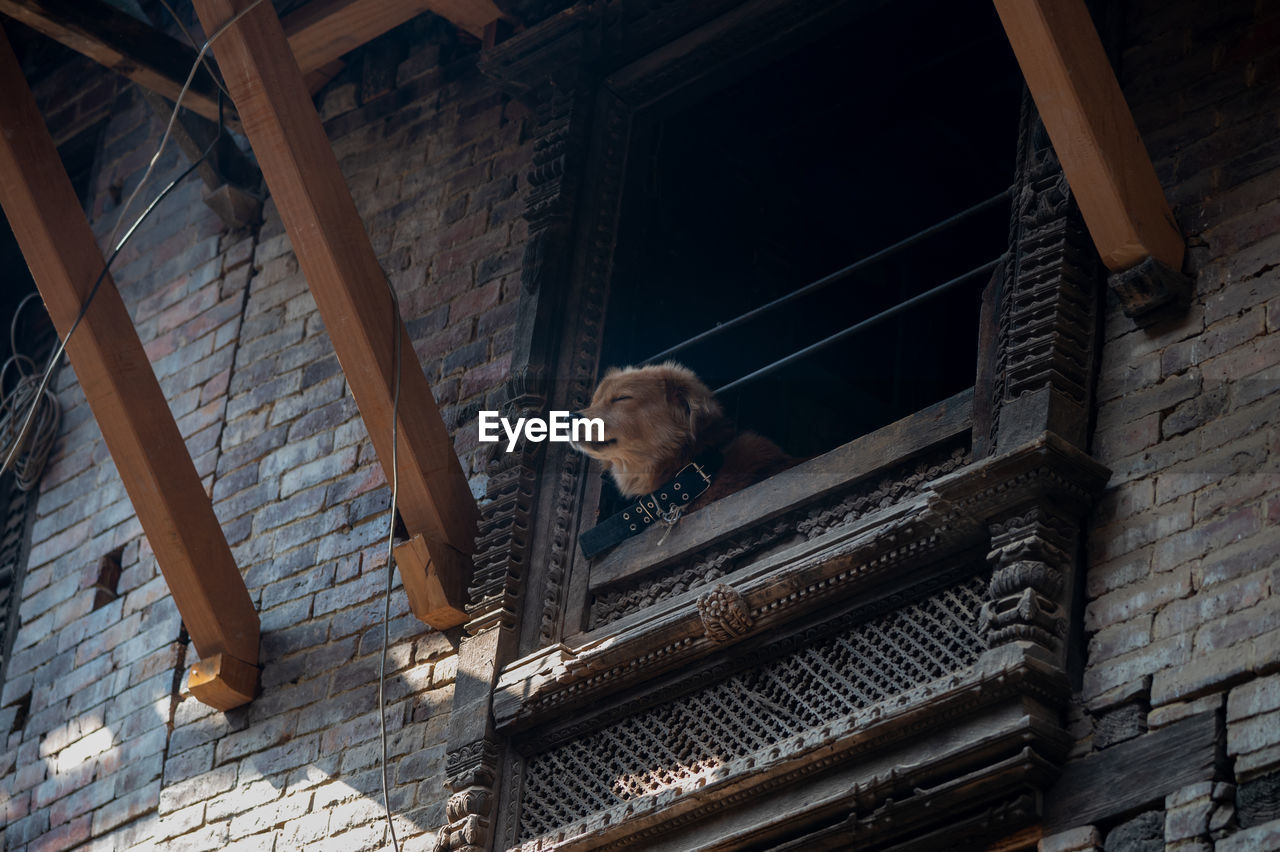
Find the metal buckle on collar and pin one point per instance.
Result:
(706, 477)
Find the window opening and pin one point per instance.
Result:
(813, 239)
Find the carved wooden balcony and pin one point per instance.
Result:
(872, 649)
(875, 648)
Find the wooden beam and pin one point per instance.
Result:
(223, 682)
(470, 15)
(323, 30)
(346, 279)
(123, 44)
(431, 572)
(1138, 773)
(1092, 131)
(318, 33)
(172, 506)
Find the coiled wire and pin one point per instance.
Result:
(29, 413)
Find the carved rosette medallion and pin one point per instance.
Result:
(725, 614)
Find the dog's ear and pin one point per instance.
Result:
(684, 389)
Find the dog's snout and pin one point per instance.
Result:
(577, 415)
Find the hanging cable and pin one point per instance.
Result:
(217, 81)
(859, 326)
(28, 451)
(391, 533)
(173, 116)
(29, 420)
(839, 275)
(56, 359)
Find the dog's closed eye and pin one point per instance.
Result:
(620, 398)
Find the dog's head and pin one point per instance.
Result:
(652, 416)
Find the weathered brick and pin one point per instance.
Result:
(1188, 614)
(122, 809)
(1159, 655)
(1120, 638)
(1202, 673)
(1261, 695)
(1130, 601)
(1225, 632)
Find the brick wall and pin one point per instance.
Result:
(114, 752)
(1183, 610)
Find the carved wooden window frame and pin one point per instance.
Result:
(1014, 504)
(617, 102)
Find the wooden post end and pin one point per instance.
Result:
(435, 579)
(223, 682)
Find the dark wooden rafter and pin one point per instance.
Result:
(175, 511)
(323, 30)
(318, 33)
(123, 44)
(352, 294)
(1093, 132)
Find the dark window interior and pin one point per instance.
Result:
(874, 132)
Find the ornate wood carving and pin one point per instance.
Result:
(1032, 555)
(1149, 286)
(872, 551)
(472, 771)
(1008, 498)
(1049, 305)
(782, 705)
(724, 613)
(899, 544)
(504, 555)
(578, 364)
(805, 524)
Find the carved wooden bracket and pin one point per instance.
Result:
(1150, 286)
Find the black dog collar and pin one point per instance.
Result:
(663, 505)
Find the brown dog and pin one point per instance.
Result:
(658, 419)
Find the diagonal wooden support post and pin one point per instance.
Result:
(139, 429)
(352, 294)
(1094, 135)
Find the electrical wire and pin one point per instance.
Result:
(395, 301)
(838, 275)
(217, 81)
(173, 116)
(859, 326)
(28, 421)
(56, 360)
(391, 532)
(29, 451)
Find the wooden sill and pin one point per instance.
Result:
(807, 482)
